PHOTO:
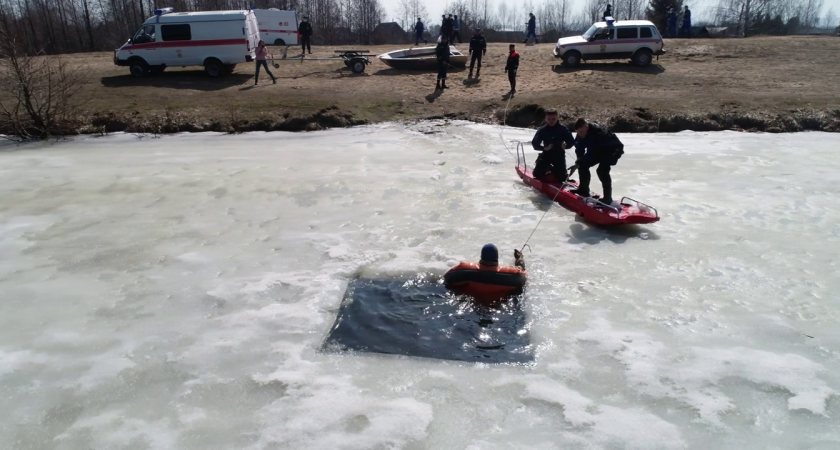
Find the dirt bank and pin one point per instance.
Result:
(774, 84)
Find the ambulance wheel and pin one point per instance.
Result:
(138, 68)
(643, 58)
(279, 42)
(214, 68)
(571, 59)
(357, 65)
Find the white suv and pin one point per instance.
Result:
(638, 40)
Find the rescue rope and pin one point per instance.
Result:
(540, 221)
(504, 124)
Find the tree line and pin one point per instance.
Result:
(67, 26)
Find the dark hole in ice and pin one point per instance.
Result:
(420, 317)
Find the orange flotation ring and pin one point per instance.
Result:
(485, 281)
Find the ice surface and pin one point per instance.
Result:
(175, 292)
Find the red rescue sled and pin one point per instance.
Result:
(625, 212)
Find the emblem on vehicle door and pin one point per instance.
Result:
(178, 53)
(603, 49)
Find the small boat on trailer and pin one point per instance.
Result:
(421, 58)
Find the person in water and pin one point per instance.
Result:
(595, 146)
(552, 140)
(487, 280)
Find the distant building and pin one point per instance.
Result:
(389, 33)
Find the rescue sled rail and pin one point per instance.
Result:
(520, 147)
(641, 206)
(601, 204)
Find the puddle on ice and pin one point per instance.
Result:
(178, 293)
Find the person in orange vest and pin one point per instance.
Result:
(486, 280)
(511, 67)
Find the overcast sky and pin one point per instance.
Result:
(438, 7)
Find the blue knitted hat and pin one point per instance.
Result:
(489, 255)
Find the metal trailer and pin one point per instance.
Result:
(355, 60)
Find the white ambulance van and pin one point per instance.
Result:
(217, 40)
(277, 27)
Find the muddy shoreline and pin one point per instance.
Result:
(626, 120)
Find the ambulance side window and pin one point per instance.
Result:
(144, 35)
(646, 32)
(180, 32)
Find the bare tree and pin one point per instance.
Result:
(38, 94)
(409, 11)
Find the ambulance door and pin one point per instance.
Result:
(177, 46)
(145, 45)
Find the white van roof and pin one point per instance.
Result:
(199, 16)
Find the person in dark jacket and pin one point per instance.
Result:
(552, 140)
(511, 67)
(478, 48)
(595, 146)
(419, 29)
(607, 13)
(305, 31)
(686, 23)
(446, 27)
(442, 55)
(456, 31)
(532, 29)
(672, 23)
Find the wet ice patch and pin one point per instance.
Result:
(693, 376)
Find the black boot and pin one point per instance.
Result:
(443, 85)
(580, 192)
(256, 80)
(470, 75)
(437, 86)
(274, 80)
(478, 72)
(607, 198)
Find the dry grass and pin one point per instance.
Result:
(770, 83)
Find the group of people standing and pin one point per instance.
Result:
(594, 146)
(450, 28)
(685, 30)
(478, 48)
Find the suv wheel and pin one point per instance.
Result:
(643, 58)
(571, 59)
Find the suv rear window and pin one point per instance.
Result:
(646, 32)
(176, 32)
(623, 33)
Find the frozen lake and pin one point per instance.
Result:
(175, 293)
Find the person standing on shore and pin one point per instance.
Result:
(478, 48)
(305, 31)
(419, 29)
(511, 67)
(672, 23)
(456, 31)
(446, 27)
(532, 29)
(686, 23)
(262, 54)
(442, 55)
